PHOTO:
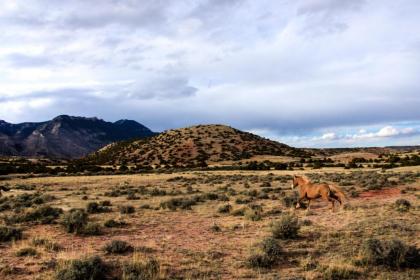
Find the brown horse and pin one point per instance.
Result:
(309, 191)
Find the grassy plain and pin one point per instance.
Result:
(208, 225)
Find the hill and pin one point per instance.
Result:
(191, 146)
(65, 137)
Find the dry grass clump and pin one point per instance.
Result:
(10, 233)
(339, 272)
(118, 247)
(141, 270)
(48, 244)
(92, 268)
(26, 251)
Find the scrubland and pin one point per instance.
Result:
(210, 225)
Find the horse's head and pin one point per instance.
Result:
(295, 182)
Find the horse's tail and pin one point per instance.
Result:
(338, 192)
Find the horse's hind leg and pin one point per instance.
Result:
(309, 204)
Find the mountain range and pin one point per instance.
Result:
(65, 137)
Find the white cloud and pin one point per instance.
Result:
(329, 136)
(285, 68)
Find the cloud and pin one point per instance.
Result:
(24, 60)
(387, 131)
(287, 69)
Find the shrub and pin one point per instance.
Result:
(181, 202)
(260, 261)
(225, 208)
(127, 209)
(215, 228)
(402, 205)
(43, 215)
(268, 254)
(9, 234)
(94, 207)
(286, 228)
(84, 269)
(118, 247)
(92, 229)
(25, 252)
(394, 254)
(135, 270)
(113, 223)
(271, 248)
(105, 203)
(132, 196)
(75, 220)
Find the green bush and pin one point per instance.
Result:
(139, 270)
(287, 228)
(9, 234)
(84, 269)
(118, 247)
(75, 220)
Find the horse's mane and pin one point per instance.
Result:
(304, 178)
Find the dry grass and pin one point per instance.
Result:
(185, 242)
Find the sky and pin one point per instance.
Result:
(309, 73)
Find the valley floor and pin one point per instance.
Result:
(209, 239)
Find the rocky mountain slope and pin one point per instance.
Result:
(65, 137)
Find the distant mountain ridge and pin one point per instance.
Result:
(65, 137)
